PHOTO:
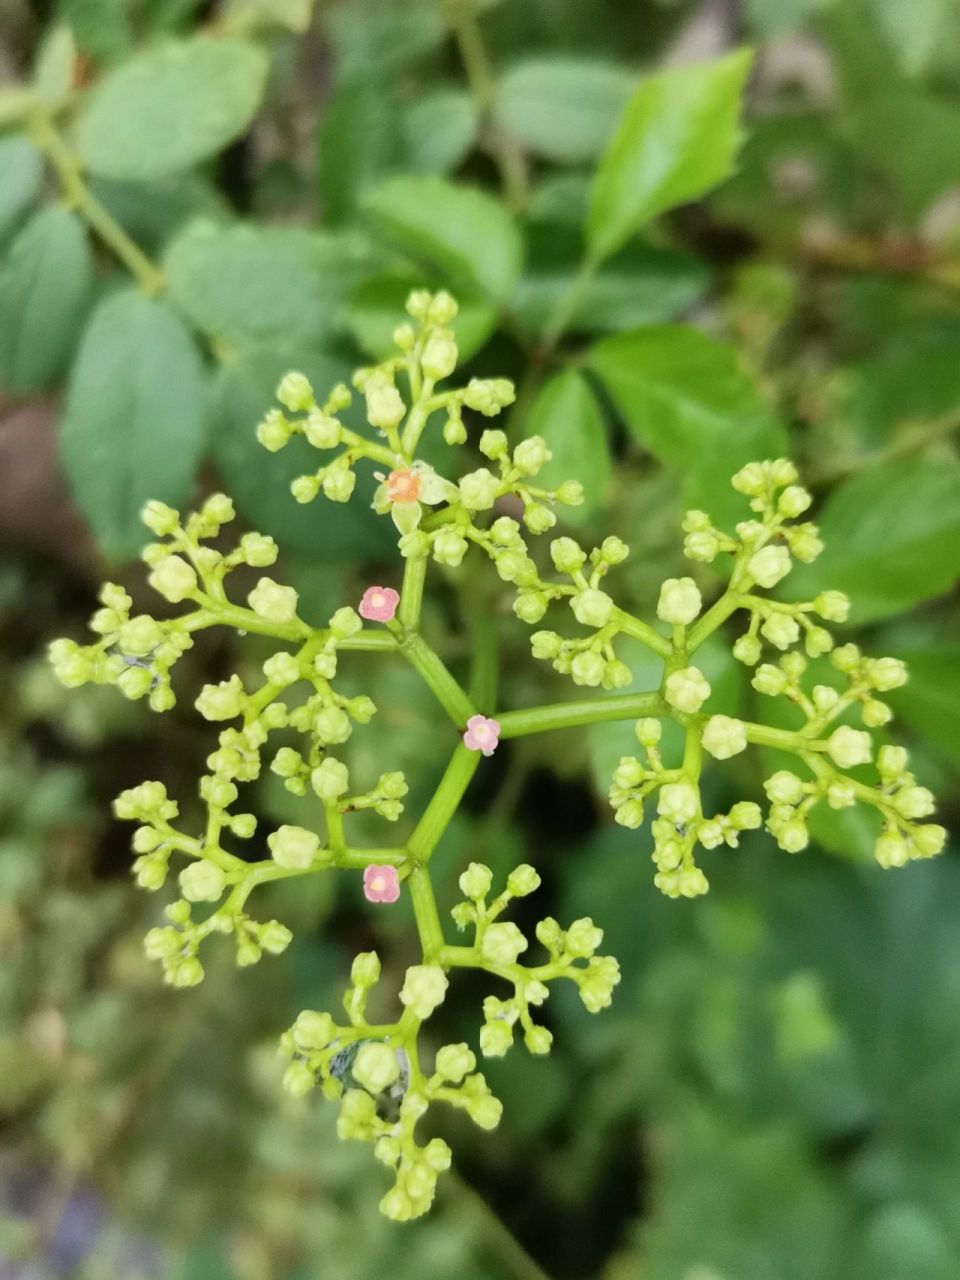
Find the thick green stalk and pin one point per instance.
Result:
(444, 803)
(568, 715)
(445, 688)
(426, 914)
(643, 632)
(411, 594)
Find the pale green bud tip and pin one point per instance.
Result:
(479, 490)
(330, 780)
(222, 701)
(295, 392)
(724, 737)
(592, 608)
(273, 602)
(424, 988)
(365, 970)
(523, 880)
(454, 1061)
(687, 690)
(769, 565)
(502, 944)
(848, 747)
(174, 579)
(202, 882)
(680, 601)
(567, 555)
(294, 847)
(440, 356)
(376, 1067)
(531, 456)
(678, 802)
(784, 787)
(476, 880)
(160, 519)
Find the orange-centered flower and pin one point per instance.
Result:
(403, 486)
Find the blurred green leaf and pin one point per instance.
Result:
(254, 15)
(358, 143)
(377, 307)
(101, 28)
(133, 426)
(152, 212)
(638, 286)
(568, 417)
(21, 177)
(461, 230)
(438, 130)
(563, 108)
(244, 389)
(170, 107)
(45, 286)
(687, 400)
(373, 39)
(54, 66)
(678, 138)
(255, 285)
(892, 537)
(930, 700)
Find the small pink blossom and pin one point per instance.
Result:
(379, 604)
(482, 734)
(381, 884)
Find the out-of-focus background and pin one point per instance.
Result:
(775, 1094)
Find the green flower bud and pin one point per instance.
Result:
(274, 431)
(929, 840)
(275, 937)
(616, 675)
(885, 673)
(294, 848)
(793, 502)
(495, 1039)
(582, 938)
(322, 431)
(570, 493)
(818, 641)
(914, 802)
(538, 1039)
(135, 682)
(769, 565)
(745, 816)
(502, 943)
(479, 490)
(415, 545)
(848, 747)
(770, 680)
(545, 644)
(892, 762)
(592, 608)
(376, 1067)
(781, 630)
(186, 972)
(567, 555)
(485, 1112)
(305, 488)
(523, 880)
(805, 542)
(332, 726)
(493, 444)
(424, 988)
(891, 850)
(454, 432)
(449, 547)
(648, 731)
(678, 802)
(784, 787)
(475, 881)
(295, 392)
(538, 518)
(298, 1079)
(453, 1062)
(587, 668)
(793, 836)
(160, 519)
(686, 690)
(680, 601)
(385, 407)
(629, 814)
(272, 602)
(222, 701)
(489, 395)
(314, 1030)
(339, 484)
(530, 606)
(724, 737)
(701, 546)
(330, 780)
(365, 970)
(202, 881)
(841, 795)
(440, 356)
(747, 649)
(832, 605)
(174, 579)
(531, 456)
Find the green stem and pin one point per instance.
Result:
(568, 715)
(715, 617)
(70, 174)
(563, 313)
(370, 642)
(643, 632)
(482, 83)
(411, 594)
(426, 914)
(484, 665)
(443, 804)
(782, 739)
(432, 671)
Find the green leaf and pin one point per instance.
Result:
(373, 39)
(640, 285)
(170, 107)
(254, 285)
(678, 138)
(568, 417)
(152, 212)
(358, 144)
(21, 177)
(892, 537)
(45, 285)
(563, 108)
(438, 130)
(468, 235)
(243, 16)
(133, 428)
(260, 482)
(930, 701)
(101, 28)
(54, 68)
(687, 400)
(377, 307)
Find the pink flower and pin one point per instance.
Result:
(482, 734)
(381, 884)
(379, 604)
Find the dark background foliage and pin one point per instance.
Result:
(775, 1094)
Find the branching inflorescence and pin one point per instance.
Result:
(375, 1069)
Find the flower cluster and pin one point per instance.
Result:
(294, 717)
